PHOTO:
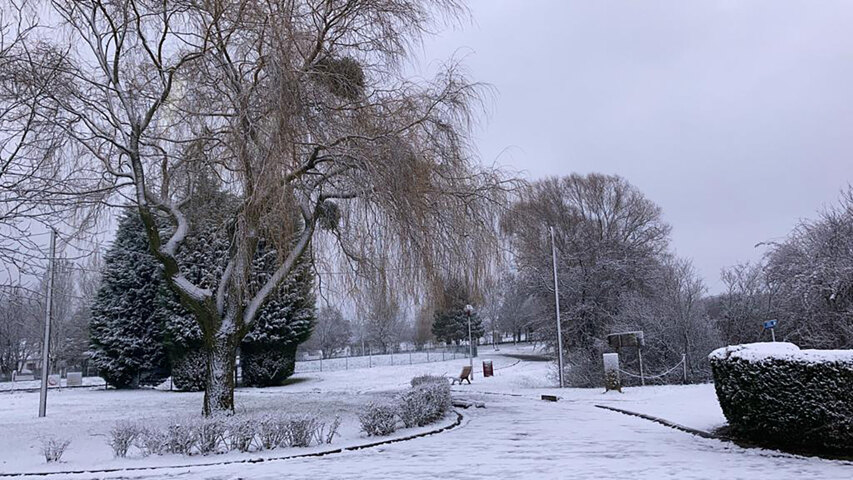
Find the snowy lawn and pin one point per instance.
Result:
(517, 435)
(85, 416)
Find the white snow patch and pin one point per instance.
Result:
(760, 352)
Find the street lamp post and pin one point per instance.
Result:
(469, 310)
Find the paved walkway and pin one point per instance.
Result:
(522, 437)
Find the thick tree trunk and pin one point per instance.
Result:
(219, 387)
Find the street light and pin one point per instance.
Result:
(469, 310)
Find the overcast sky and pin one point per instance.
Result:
(734, 116)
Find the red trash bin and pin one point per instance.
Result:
(488, 369)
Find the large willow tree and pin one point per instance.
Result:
(301, 107)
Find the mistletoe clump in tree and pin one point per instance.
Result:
(450, 322)
(126, 331)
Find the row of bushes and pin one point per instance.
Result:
(222, 434)
(425, 402)
(778, 394)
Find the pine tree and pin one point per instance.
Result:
(126, 332)
(450, 323)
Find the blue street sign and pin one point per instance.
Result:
(769, 324)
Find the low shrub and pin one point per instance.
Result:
(180, 437)
(791, 397)
(122, 436)
(326, 436)
(379, 419)
(424, 403)
(209, 434)
(152, 441)
(241, 433)
(272, 432)
(301, 431)
(419, 380)
(53, 448)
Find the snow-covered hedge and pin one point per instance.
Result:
(379, 419)
(777, 392)
(426, 402)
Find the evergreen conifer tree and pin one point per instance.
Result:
(450, 323)
(126, 331)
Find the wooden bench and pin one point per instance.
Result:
(465, 375)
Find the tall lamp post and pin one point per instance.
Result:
(469, 310)
(557, 309)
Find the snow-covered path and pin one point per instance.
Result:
(527, 438)
(520, 436)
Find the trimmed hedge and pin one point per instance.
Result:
(776, 393)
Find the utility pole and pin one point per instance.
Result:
(557, 308)
(45, 355)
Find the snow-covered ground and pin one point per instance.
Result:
(517, 435)
(35, 384)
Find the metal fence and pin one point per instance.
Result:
(412, 357)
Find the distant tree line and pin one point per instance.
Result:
(805, 282)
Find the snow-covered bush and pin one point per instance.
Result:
(775, 391)
(122, 436)
(427, 379)
(379, 419)
(241, 433)
(53, 448)
(425, 403)
(152, 441)
(326, 436)
(272, 432)
(209, 434)
(302, 430)
(180, 437)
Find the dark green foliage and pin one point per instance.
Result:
(188, 369)
(126, 331)
(268, 352)
(450, 323)
(140, 325)
(788, 400)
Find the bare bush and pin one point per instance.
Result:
(329, 435)
(301, 431)
(379, 419)
(209, 434)
(53, 448)
(152, 441)
(180, 437)
(122, 436)
(271, 432)
(241, 433)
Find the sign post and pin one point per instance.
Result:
(771, 325)
(48, 313)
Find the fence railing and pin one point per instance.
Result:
(412, 357)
